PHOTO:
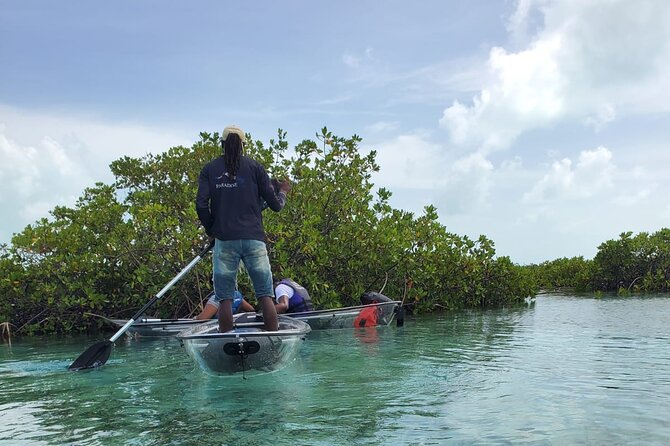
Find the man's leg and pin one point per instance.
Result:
(271, 323)
(226, 316)
(255, 258)
(226, 260)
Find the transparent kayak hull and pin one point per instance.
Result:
(247, 349)
(349, 317)
(157, 327)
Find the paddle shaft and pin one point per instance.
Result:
(160, 294)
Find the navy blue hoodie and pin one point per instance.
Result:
(230, 207)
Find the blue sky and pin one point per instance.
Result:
(542, 124)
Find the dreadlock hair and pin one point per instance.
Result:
(232, 153)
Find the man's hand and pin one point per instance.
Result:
(284, 186)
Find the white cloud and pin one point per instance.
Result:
(468, 183)
(357, 61)
(517, 22)
(533, 212)
(603, 116)
(590, 60)
(631, 199)
(409, 162)
(17, 170)
(512, 166)
(48, 160)
(527, 93)
(351, 61)
(381, 127)
(592, 174)
(536, 213)
(40, 209)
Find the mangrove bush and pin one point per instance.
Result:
(120, 243)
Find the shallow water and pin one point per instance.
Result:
(566, 370)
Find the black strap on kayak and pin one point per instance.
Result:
(242, 349)
(242, 355)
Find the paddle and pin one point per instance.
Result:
(97, 354)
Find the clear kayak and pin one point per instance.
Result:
(381, 313)
(248, 348)
(370, 315)
(157, 327)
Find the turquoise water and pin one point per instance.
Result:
(565, 370)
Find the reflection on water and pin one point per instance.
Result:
(566, 371)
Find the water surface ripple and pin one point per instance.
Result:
(565, 370)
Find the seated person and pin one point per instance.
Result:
(290, 297)
(212, 306)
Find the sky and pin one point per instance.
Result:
(541, 124)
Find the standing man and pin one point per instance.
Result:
(230, 189)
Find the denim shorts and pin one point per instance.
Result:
(226, 261)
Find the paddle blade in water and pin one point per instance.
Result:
(95, 356)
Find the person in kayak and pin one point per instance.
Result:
(212, 306)
(291, 297)
(229, 209)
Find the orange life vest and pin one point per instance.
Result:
(368, 317)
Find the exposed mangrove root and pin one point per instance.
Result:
(385, 282)
(6, 331)
(633, 283)
(106, 319)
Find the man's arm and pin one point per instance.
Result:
(283, 293)
(245, 307)
(282, 306)
(275, 201)
(208, 312)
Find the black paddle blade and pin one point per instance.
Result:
(95, 356)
